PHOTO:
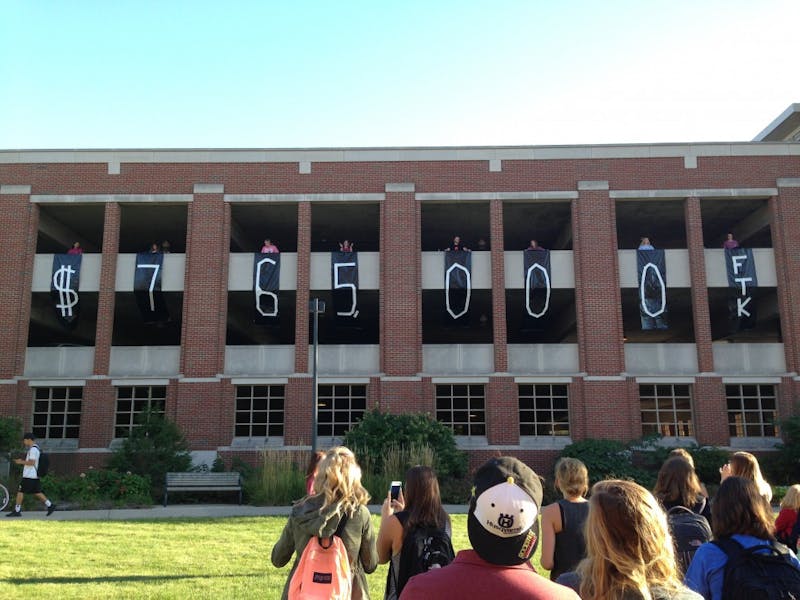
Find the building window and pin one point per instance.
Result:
(666, 410)
(259, 410)
(751, 410)
(543, 409)
(57, 412)
(462, 407)
(339, 408)
(132, 401)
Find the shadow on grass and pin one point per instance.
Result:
(120, 578)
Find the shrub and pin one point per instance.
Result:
(379, 470)
(10, 433)
(378, 431)
(97, 488)
(153, 449)
(707, 461)
(783, 465)
(608, 459)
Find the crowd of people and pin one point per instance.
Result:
(613, 541)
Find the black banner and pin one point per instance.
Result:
(537, 277)
(344, 287)
(64, 283)
(266, 282)
(457, 283)
(147, 287)
(652, 270)
(743, 283)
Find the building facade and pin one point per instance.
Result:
(502, 379)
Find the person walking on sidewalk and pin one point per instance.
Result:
(30, 484)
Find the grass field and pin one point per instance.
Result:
(181, 558)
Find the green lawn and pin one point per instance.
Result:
(181, 558)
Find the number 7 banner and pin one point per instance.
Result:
(147, 287)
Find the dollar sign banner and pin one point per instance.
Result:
(147, 287)
(64, 284)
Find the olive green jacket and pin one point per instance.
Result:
(307, 520)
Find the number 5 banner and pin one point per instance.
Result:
(64, 283)
(344, 281)
(147, 287)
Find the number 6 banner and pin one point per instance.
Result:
(64, 283)
(266, 281)
(344, 282)
(147, 287)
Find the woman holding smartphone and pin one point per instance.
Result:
(419, 507)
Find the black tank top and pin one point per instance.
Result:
(570, 546)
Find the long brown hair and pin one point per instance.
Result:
(677, 483)
(744, 464)
(423, 502)
(628, 545)
(739, 508)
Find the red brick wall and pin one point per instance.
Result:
(97, 413)
(400, 299)
(499, 328)
(106, 296)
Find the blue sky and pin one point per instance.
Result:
(304, 73)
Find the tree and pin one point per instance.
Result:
(154, 448)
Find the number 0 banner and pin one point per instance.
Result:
(344, 283)
(457, 283)
(743, 282)
(147, 287)
(64, 283)
(652, 269)
(266, 282)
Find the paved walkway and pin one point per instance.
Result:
(183, 511)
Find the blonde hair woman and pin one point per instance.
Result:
(784, 524)
(744, 464)
(337, 494)
(563, 545)
(629, 551)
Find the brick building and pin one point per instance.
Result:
(501, 380)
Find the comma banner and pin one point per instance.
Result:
(147, 287)
(743, 282)
(652, 270)
(457, 283)
(64, 283)
(266, 282)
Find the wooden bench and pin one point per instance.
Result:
(203, 482)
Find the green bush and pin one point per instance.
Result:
(154, 448)
(609, 459)
(378, 431)
(707, 461)
(379, 470)
(98, 488)
(10, 434)
(783, 465)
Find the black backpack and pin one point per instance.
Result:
(44, 463)
(753, 575)
(689, 531)
(424, 548)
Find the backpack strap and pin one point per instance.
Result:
(729, 546)
(35, 465)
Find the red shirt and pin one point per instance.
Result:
(470, 577)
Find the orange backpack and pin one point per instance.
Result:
(323, 571)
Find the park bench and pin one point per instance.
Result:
(203, 482)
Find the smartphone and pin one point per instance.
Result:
(394, 490)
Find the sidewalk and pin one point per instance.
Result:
(185, 511)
